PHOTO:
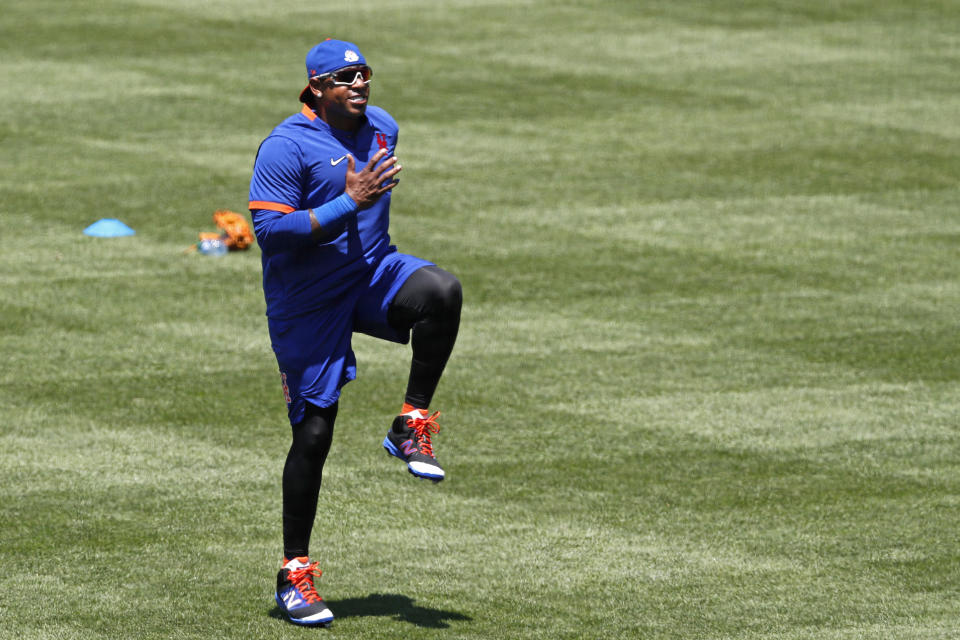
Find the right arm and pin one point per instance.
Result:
(280, 228)
(276, 184)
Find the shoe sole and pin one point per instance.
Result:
(392, 450)
(322, 622)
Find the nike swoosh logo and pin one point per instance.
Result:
(334, 163)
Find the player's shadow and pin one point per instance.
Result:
(392, 605)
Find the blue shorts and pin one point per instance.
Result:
(314, 350)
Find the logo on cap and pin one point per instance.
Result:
(350, 56)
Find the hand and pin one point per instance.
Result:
(367, 185)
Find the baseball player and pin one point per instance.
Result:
(320, 202)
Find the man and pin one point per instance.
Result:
(320, 201)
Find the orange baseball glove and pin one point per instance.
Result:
(238, 234)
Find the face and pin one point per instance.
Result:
(342, 97)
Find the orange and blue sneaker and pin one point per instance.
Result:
(409, 440)
(296, 595)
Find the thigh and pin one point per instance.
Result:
(315, 357)
(386, 280)
(430, 292)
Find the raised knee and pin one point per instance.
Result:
(451, 293)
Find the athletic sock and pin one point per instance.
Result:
(406, 409)
(301, 560)
(409, 408)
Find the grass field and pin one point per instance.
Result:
(708, 379)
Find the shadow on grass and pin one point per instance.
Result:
(400, 608)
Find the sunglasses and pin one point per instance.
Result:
(349, 77)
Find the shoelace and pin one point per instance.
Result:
(302, 579)
(424, 427)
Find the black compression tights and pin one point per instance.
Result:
(428, 305)
(302, 474)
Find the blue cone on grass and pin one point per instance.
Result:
(108, 228)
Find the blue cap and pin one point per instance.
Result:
(327, 57)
